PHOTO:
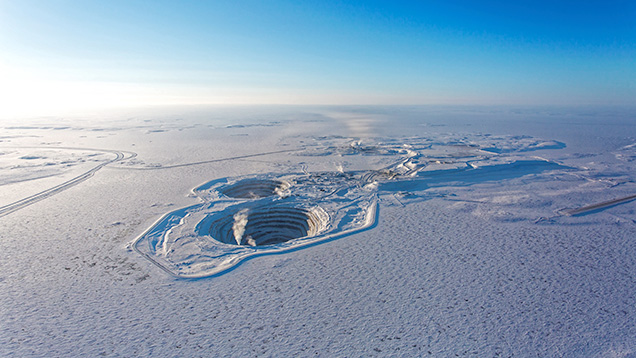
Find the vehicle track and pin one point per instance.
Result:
(598, 206)
(22, 203)
(208, 161)
(120, 156)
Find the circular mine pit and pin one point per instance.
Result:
(266, 225)
(255, 188)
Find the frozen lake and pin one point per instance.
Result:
(336, 231)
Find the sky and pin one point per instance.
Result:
(60, 55)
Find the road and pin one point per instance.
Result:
(120, 156)
(23, 203)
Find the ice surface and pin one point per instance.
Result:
(274, 213)
(330, 231)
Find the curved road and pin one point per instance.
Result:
(120, 155)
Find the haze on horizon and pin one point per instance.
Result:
(60, 56)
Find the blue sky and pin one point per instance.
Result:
(58, 55)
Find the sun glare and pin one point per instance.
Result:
(26, 94)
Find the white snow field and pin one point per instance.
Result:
(320, 231)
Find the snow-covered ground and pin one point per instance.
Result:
(329, 231)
